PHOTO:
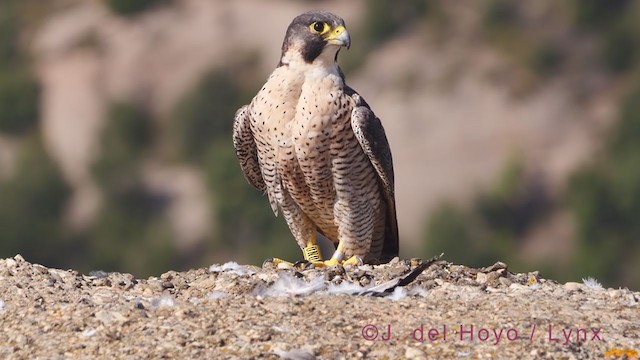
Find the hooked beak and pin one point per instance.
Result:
(339, 36)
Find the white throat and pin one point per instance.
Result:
(325, 64)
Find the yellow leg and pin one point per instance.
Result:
(337, 256)
(312, 252)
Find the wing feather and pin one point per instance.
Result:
(246, 149)
(373, 140)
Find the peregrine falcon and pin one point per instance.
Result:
(318, 151)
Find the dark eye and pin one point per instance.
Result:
(318, 27)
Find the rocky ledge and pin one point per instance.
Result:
(234, 311)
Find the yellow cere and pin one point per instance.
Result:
(338, 30)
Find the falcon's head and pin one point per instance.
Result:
(313, 35)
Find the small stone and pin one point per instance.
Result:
(155, 284)
(41, 269)
(55, 278)
(139, 305)
(414, 353)
(614, 293)
(381, 353)
(497, 266)
(10, 263)
(168, 276)
(110, 317)
(573, 286)
(19, 258)
(482, 278)
(89, 332)
(302, 354)
(504, 282)
(515, 287)
(338, 269)
(98, 274)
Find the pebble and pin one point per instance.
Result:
(497, 266)
(515, 287)
(412, 353)
(573, 286)
(504, 282)
(110, 317)
(295, 354)
(614, 293)
(481, 278)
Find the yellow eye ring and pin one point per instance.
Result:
(319, 27)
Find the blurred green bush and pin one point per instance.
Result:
(125, 140)
(19, 89)
(619, 49)
(605, 200)
(505, 28)
(132, 7)
(617, 24)
(19, 101)
(131, 232)
(32, 201)
(491, 228)
(384, 19)
(205, 115)
(595, 14)
(9, 33)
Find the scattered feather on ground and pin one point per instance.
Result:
(162, 301)
(232, 267)
(592, 283)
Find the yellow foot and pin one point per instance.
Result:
(331, 262)
(354, 260)
(276, 262)
(299, 265)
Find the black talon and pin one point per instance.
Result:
(267, 261)
(302, 264)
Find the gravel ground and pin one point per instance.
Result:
(234, 311)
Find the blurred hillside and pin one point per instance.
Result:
(515, 129)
